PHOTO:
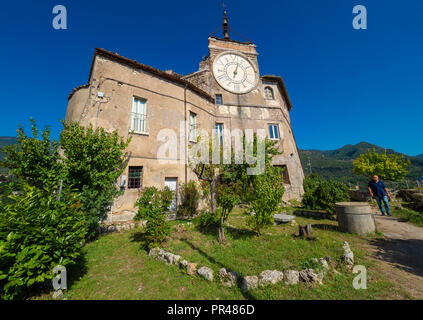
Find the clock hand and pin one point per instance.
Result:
(236, 70)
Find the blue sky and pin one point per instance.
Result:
(346, 85)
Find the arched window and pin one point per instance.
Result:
(268, 93)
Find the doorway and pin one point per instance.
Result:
(172, 184)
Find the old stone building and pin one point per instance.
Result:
(227, 92)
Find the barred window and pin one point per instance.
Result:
(135, 178)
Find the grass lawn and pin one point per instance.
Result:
(116, 266)
(409, 215)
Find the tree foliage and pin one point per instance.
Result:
(190, 197)
(231, 183)
(152, 206)
(228, 197)
(88, 161)
(92, 162)
(390, 167)
(265, 198)
(66, 192)
(37, 232)
(36, 159)
(321, 194)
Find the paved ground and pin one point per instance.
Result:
(401, 254)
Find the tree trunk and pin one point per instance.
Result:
(213, 195)
(305, 231)
(221, 237)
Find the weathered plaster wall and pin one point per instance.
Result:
(169, 105)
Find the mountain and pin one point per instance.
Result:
(338, 164)
(5, 141)
(420, 156)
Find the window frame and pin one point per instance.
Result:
(130, 184)
(221, 99)
(220, 134)
(192, 127)
(274, 125)
(144, 115)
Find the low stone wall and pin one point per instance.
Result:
(267, 277)
(314, 214)
(415, 197)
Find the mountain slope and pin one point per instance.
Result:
(338, 164)
(5, 141)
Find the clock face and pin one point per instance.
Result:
(234, 73)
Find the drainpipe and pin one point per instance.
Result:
(100, 95)
(186, 136)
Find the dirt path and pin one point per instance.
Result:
(400, 254)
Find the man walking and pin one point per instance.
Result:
(378, 190)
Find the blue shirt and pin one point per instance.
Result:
(378, 188)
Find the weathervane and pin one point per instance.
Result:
(225, 25)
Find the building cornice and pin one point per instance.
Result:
(282, 86)
(135, 64)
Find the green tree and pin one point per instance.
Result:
(38, 230)
(227, 197)
(190, 197)
(265, 197)
(36, 159)
(263, 192)
(310, 198)
(93, 160)
(389, 167)
(152, 206)
(89, 161)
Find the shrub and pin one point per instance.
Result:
(90, 162)
(190, 197)
(320, 194)
(95, 205)
(37, 232)
(265, 198)
(311, 183)
(295, 203)
(93, 160)
(207, 220)
(153, 205)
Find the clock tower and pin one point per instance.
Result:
(245, 99)
(230, 71)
